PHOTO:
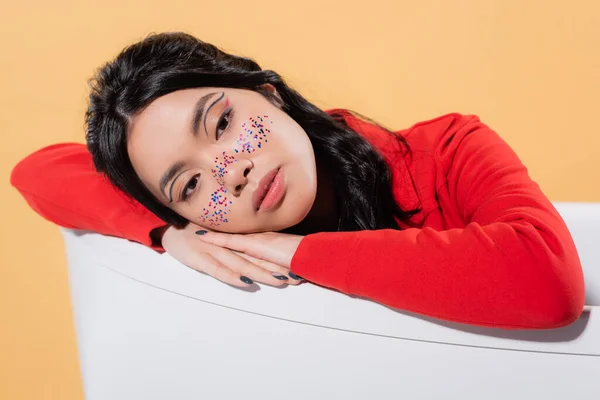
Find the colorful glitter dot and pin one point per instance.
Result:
(258, 134)
(216, 216)
(220, 169)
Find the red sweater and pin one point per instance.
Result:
(490, 249)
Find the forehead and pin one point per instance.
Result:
(167, 117)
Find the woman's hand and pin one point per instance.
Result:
(229, 266)
(275, 247)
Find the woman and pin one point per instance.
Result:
(237, 175)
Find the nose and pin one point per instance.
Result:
(236, 178)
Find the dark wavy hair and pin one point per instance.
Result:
(166, 62)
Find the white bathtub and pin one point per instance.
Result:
(150, 328)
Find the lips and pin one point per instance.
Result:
(263, 191)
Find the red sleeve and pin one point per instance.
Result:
(512, 263)
(61, 184)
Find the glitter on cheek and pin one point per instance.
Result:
(220, 169)
(218, 207)
(216, 212)
(254, 136)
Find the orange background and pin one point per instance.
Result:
(530, 69)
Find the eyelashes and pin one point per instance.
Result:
(190, 185)
(223, 125)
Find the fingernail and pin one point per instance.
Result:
(279, 276)
(244, 278)
(201, 232)
(294, 276)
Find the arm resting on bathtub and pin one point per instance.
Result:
(61, 184)
(512, 265)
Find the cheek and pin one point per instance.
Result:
(255, 134)
(215, 213)
(218, 207)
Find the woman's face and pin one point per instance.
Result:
(225, 159)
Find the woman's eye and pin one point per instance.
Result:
(223, 123)
(190, 187)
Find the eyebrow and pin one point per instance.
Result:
(199, 113)
(172, 172)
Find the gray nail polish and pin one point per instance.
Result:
(246, 280)
(279, 276)
(294, 276)
(201, 232)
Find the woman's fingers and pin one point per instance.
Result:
(237, 242)
(257, 272)
(222, 263)
(280, 271)
(278, 248)
(211, 266)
